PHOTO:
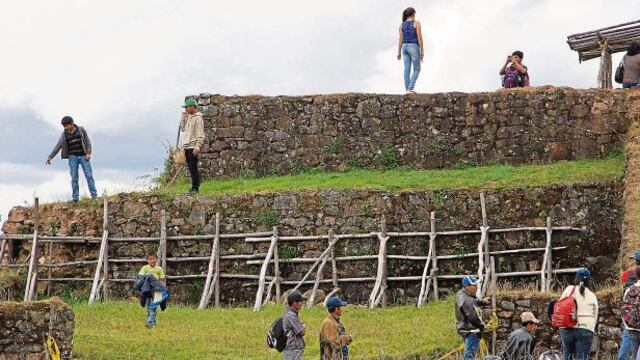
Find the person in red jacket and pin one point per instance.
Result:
(627, 278)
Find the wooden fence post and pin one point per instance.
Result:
(483, 250)
(311, 300)
(32, 275)
(263, 274)
(3, 245)
(216, 282)
(546, 273)
(493, 290)
(210, 284)
(103, 254)
(162, 248)
(334, 269)
(434, 259)
(276, 264)
(105, 261)
(380, 286)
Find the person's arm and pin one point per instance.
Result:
(419, 33)
(199, 134)
(503, 69)
(400, 40)
(521, 68)
(162, 277)
(55, 150)
(87, 141)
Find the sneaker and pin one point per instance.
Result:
(73, 201)
(148, 326)
(411, 92)
(192, 192)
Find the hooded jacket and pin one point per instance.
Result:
(193, 130)
(147, 285)
(468, 313)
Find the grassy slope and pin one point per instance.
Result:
(116, 331)
(494, 177)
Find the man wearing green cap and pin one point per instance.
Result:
(192, 127)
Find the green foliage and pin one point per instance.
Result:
(535, 148)
(365, 211)
(334, 147)
(460, 249)
(354, 163)
(268, 218)
(287, 252)
(387, 156)
(616, 153)
(437, 199)
(115, 330)
(248, 174)
(481, 177)
(54, 227)
(10, 279)
(196, 291)
(72, 295)
(300, 168)
(197, 230)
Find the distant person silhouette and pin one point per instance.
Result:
(410, 48)
(631, 63)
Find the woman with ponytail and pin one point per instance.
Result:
(410, 46)
(576, 341)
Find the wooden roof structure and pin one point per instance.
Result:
(589, 44)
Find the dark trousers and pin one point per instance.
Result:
(192, 163)
(576, 343)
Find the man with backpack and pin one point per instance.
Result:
(631, 317)
(469, 316)
(627, 278)
(294, 328)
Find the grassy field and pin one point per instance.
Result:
(116, 331)
(492, 177)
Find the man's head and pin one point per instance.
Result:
(636, 257)
(517, 56)
(152, 259)
(529, 321)
(470, 284)
(67, 123)
(335, 306)
(296, 300)
(190, 106)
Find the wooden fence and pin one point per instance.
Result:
(266, 284)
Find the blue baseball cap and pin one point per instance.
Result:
(583, 274)
(335, 302)
(469, 280)
(636, 255)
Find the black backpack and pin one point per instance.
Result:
(276, 338)
(619, 72)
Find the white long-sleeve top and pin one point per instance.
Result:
(587, 307)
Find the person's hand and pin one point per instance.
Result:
(508, 58)
(196, 151)
(421, 55)
(398, 56)
(486, 299)
(88, 157)
(48, 162)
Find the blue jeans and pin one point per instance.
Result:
(74, 162)
(471, 346)
(628, 85)
(576, 343)
(623, 353)
(411, 56)
(151, 313)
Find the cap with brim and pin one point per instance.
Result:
(636, 255)
(469, 280)
(335, 302)
(189, 102)
(528, 316)
(583, 274)
(295, 296)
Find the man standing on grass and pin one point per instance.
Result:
(192, 127)
(469, 316)
(76, 146)
(294, 328)
(334, 340)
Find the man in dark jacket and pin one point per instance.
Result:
(469, 316)
(521, 342)
(76, 146)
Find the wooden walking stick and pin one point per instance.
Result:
(180, 166)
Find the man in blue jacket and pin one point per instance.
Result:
(76, 146)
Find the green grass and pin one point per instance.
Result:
(485, 177)
(116, 330)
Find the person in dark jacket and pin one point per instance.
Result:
(469, 316)
(521, 342)
(76, 146)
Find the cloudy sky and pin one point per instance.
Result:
(121, 68)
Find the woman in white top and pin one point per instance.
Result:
(576, 341)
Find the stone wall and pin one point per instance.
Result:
(596, 207)
(23, 329)
(512, 304)
(256, 135)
